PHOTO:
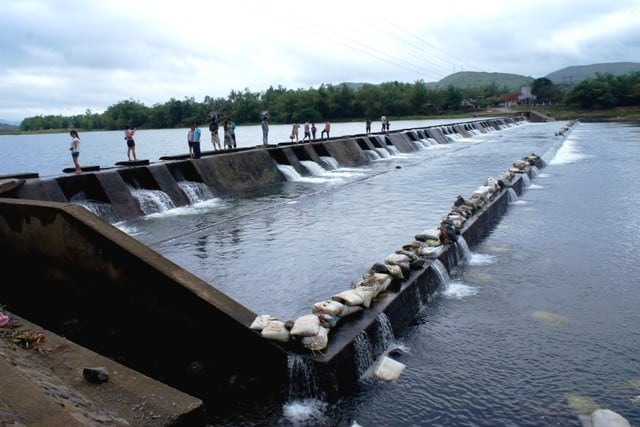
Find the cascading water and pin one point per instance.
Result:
(152, 201)
(464, 253)
(195, 191)
(441, 272)
(363, 352)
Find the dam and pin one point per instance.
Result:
(70, 246)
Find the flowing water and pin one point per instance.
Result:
(538, 326)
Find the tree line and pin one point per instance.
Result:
(343, 102)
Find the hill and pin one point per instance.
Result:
(471, 79)
(577, 73)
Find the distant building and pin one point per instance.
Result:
(522, 98)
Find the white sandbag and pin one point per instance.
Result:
(608, 418)
(350, 309)
(384, 280)
(431, 252)
(348, 297)
(395, 271)
(328, 321)
(306, 326)
(482, 191)
(369, 284)
(396, 259)
(388, 369)
(261, 321)
(276, 331)
(368, 293)
(317, 342)
(492, 183)
(331, 307)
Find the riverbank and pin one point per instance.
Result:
(616, 114)
(44, 384)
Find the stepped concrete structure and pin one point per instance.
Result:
(86, 280)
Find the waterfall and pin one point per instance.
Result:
(289, 172)
(363, 352)
(393, 150)
(418, 145)
(371, 154)
(314, 168)
(526, 180)
(329, 162)
(195, 191)
(383, 152)
(302, 379)
(103, 210)
(513, 196)
(152, 201)
(384, 334)
(441, 271)
(464, 253)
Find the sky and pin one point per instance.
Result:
(67, 57)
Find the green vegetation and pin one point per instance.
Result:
(471, 79)
(605, 96)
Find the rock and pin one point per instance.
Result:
(97, 375)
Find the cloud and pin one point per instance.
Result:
(69, 56)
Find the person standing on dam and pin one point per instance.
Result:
(265, 130)
(215, 137)
(307, 132)
(75, 149)
(196, 141)
(232, 129)
(190, 140)
(326, 130)
(129, 132)
(295, 132)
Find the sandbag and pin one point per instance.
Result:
(396, 259)
(261, 321)
(378, 280)
(384, 280)
(368, 293)
(388, 369)
(395, 271)
(275, 330)
(328, 321)
(348, 297)
(350, 309)
(317, 342)
(306, 326)
(331, 307)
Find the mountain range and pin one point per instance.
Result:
(569, 75)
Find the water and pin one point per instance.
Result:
(537, 327)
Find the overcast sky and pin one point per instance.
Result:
(64, 57)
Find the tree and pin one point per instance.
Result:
(545, 91)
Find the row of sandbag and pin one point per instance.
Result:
(312, 330)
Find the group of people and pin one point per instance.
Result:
(194, 136)
(309, 131)
(385, 124)
(229, 135)
(129, 132)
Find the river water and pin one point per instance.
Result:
(538, 327)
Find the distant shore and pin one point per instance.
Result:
(617, 114)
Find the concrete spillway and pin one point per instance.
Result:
(114, 295)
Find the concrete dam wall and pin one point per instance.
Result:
(89, 281)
